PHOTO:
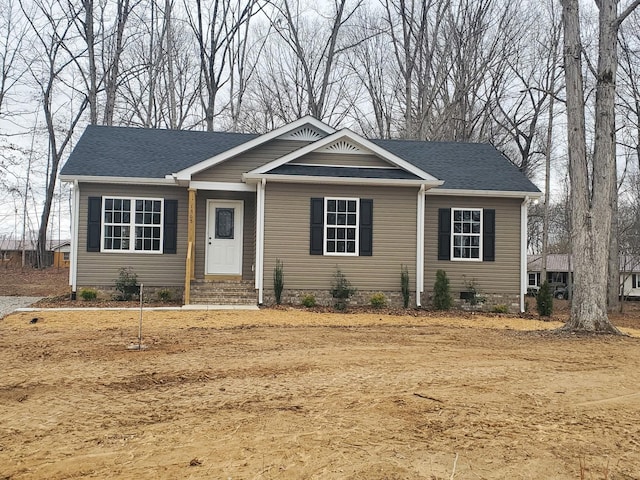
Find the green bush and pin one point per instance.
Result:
(500, 308)
(442, 299)
(127, 284)
(378, 300)
(404, 282)
(341, 290)
(165, 295)
(89, 294)
(278, 281)
(544, 300)
(309, 301)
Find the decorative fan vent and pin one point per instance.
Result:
(304, 134)
(341, 146)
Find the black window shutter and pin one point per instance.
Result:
(170, 226)
(366, 227)
(489, 235)
(94, 216)
(633, 281)
(317, 227)
(444, 234)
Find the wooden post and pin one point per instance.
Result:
(191, 230)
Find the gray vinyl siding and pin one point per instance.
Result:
(287, 230)
(248, 227)
(153, 269)
(232, 169)
(501, 276)
(352, 160)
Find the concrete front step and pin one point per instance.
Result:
(223, 293)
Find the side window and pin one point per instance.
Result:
(466, 234)
(129, 224)
(341, 226)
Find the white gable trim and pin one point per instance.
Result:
(352, 138)
(255, 177)
(221, 157)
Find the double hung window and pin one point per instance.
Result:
(132, 224)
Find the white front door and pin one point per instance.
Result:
(224, 237)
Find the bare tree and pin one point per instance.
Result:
(52, 30)
(591, 188)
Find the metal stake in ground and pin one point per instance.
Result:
(140, 327)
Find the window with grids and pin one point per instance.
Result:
(467, 234)
(341, 226)
(132, 224)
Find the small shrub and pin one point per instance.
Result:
(500, 309)
(341, 290)
(404, 282)
(278, 281)
(165, 295)
(89, 294)
(127, 284)
(442, 299)
(309, 301)
(544, 300)
(378, 300)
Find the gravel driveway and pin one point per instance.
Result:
(9, 304)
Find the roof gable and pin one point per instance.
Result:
(302, 129)
(347, 143)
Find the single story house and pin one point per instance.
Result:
(62, 254)
(559, 265)
(209, 213)
(560, 272)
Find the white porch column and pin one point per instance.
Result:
(259, 280)
(524, 218)
(420, 245)
(73, 264)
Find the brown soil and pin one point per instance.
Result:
(290, 394)
(32, 282)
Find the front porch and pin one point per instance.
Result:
(220, 261)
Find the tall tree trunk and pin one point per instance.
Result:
(591, 208)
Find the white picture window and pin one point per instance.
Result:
(132, 224)
(466, 228)
(341, 226)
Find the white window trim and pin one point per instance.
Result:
(536, 279)
(132, 226)
(453, 235)
(326, 227)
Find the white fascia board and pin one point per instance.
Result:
(482, 193)
(118, 180)
(221, 157)
(251, 177)
(223, 186)
(355, 138)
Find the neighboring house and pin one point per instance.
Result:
(208, 214)
(560, 266)
(62, 254)
(11, 253)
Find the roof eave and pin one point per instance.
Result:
(484, 193)
(117, 180)
(257, 177)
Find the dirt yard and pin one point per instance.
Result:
(289, 394)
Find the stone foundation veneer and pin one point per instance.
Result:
(394, 299)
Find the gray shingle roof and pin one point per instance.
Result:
(468, 166)
(154, 153)
(145, 152)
